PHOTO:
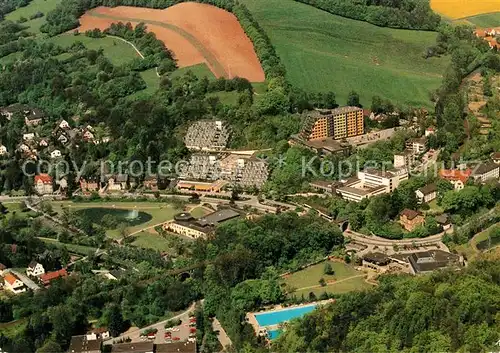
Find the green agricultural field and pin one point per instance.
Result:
(117, 51)
(74, 248)
(33, 7)
(344, 279)
(323, 52)
(200, 70)
(152, 81)
(486, 20)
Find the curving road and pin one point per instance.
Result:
(378, 241)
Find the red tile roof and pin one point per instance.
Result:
(50, 276)
(44, 178)
(455, 174)
(9, 277)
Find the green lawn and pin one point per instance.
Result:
(227, 98)
(10, 58)
(151, 241)
(74, 248)
(14, 328)
(323, 52)
(117, 51)
(159, 212)
(200, 70)
(32, 8)
(486, 20)
(310, 277)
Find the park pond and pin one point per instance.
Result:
(111, 217)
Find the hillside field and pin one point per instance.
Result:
(32, 8)
(486, 20)
(455, 9)
(324, 52)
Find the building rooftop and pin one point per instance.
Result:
(455, 174)
(207, 134)
(137, 347)
(377, 258)
(219, 216)
(428, 189)
(47, 277)
(410, 214)
(176, 347)
(484, 168)
(80, 344)
(10, 278)
(426, 261)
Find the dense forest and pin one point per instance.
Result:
(408, 14)
(444, 312)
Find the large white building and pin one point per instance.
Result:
(35, 269)
(13, 283)
(372, 182)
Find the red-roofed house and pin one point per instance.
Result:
(457, 177)
(48, 277)
(43, 184)
(14, 284)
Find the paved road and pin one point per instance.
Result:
(224, 339)
(160, 326)
(378, 241)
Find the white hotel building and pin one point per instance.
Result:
(372, 182)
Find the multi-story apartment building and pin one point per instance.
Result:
(338, 123)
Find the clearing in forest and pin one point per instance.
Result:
(455, 9)
(196, 33)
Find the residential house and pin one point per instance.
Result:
(32, 116)
(485, 172)
(404, 159)
(89, 185)
(55, 154)
(90, 343)
(151, 182)
(417, 145)
(13, 283)
(456, 176)
(63, 184)
(427, 261)
(48, 277)
(117, 182)
(427, 193)
(63, 124)
(444, 221)
(43, 184)
(101, 332)
(496, 157)
(411, 219)
(35, 269)
(43, 143)
(88, 136)
(28, 137)
(24, 148)
(3, 150)
(430, 131)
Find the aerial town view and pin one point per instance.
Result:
(284, 176)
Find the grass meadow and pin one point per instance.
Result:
(200, 71)
(32, 8)
(486, 20)
(344, 279)
(324, 52)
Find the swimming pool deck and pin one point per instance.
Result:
(259, 330)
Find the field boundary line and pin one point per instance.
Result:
(216, 67)
(330, 284)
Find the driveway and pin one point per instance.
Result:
(28, 282)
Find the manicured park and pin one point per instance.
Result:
(344, 279)
(324, 52)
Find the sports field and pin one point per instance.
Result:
(455, 9)
(32, 8)
(324, 52)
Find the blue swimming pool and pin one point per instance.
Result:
(276, 317)
(273, 334)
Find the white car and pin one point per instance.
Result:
(175, 329)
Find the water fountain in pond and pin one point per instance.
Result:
(132, 214)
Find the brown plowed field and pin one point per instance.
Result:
(195, 32)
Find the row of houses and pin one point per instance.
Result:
(15, 284)
(490, 35)
(93, 343)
